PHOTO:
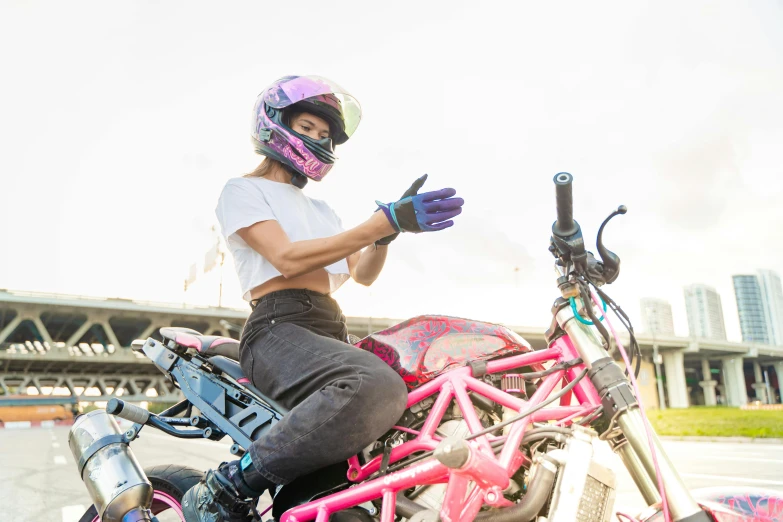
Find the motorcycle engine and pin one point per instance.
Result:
(432, 496)
(584, 489)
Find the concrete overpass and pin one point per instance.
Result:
(82, 343)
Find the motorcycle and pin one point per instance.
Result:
(494, 431)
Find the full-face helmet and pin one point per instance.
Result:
(303, 155)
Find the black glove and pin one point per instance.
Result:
(412, 191)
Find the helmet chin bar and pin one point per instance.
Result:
(323, 148)
(298, 179)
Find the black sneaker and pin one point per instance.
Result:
(215, 499)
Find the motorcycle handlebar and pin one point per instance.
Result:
(565, 225)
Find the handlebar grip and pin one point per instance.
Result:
(127, 411)
(565, 224)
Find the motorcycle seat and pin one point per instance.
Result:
(223, 353)
(206, 345)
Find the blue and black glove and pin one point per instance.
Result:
(412, 191)
(426, 212)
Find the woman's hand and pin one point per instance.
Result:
(412, 191)
(426, 212)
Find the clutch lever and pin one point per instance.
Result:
(610, 260)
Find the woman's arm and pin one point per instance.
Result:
(366, 266)
(301, 257)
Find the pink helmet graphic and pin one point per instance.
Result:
(305, 156)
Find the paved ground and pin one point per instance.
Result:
(707, 464)
(39, 482)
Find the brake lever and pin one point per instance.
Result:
(610, 260)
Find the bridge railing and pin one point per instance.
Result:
(61, 349)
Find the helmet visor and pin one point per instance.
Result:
(291, 90)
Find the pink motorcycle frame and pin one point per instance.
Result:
(490, 472)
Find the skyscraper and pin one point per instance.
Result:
(705, 313)
(772, 297)
(751, 309)
(657, 316)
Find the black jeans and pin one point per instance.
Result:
(294, 350)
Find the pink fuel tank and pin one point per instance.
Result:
(422, 348)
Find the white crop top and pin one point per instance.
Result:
(245, 201)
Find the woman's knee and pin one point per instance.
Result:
(385, 394)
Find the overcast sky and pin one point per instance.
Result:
(121, 122)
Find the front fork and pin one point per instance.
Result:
(627, 432)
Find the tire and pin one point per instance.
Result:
(171, 480)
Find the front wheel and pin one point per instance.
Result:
(169, 482)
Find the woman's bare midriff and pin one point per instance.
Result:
(317, 280)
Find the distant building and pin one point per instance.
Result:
(657, 316)
(705, 312)
(751, 309)
(772, 297)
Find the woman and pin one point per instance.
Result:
(291, 252)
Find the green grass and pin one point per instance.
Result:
(717, 422)
(159, 407)
(154, 407)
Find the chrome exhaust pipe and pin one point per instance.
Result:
(116, 482)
